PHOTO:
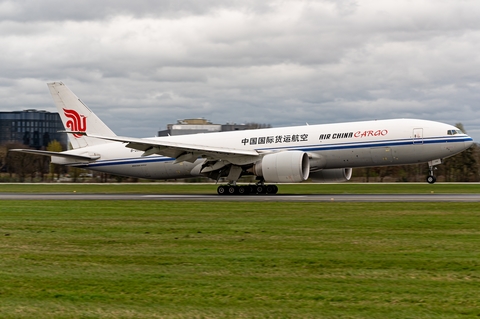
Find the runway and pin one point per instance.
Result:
(256, 198)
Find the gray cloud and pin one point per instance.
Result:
(142, 65)
(89, 10)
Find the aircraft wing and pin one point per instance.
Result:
(180, 151)
(81, 158)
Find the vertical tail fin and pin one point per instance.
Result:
(76, 116)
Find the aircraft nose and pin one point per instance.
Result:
(468, 143)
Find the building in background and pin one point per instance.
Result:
(32, 128)
(194, 126)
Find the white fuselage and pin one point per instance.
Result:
(329, 146)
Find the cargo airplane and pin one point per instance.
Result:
(320, 153)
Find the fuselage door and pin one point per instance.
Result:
(418, 136)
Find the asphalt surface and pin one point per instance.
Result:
(252, 198)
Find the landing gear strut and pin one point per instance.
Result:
(431, 169)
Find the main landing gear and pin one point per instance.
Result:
(258, 189)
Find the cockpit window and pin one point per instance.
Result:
(454, 132)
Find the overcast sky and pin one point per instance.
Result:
(143, 64)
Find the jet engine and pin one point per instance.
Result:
(283, 167)
(334, 175)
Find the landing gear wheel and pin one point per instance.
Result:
(242, 190)
(260, 189)
(221, 190)
(271, 189)
(431, 179)
(275, 189)
(231, 190)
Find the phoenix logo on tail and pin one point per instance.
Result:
(76, 121)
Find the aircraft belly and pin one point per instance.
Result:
(399, 155)
(168, 170)
(152, 170)
(145, 170)
(348, 158)
(178, 170)
(377, 156)
(403, 154)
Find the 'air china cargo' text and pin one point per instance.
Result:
(358, 134)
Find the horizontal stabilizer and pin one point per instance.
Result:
(80, 158)
(73, 132)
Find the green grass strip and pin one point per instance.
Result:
(140, 259)
(172, 188)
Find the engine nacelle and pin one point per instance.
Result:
(331, 175)
(283, 167)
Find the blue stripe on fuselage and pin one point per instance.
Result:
(126, 161)
(370, 144)
(312, 148)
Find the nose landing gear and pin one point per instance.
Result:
(431, 179)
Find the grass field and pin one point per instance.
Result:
(172, 188)
(128, 259)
